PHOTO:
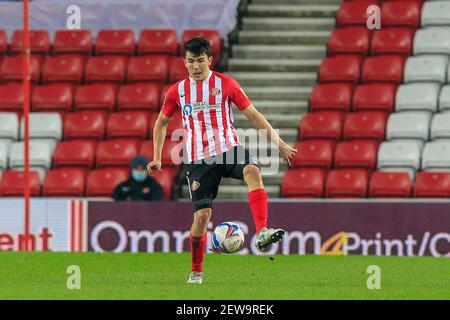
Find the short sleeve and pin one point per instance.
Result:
(237, 95)
(170, 101)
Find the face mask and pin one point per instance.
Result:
(139, 176)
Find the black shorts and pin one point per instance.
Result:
(204, 176)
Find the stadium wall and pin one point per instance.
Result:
(406, 228)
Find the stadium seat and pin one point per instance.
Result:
(158, 41)
(166, 180)
(115, 42)
(53, 97)
(64, 67)
(3, 42)
(314, 153)
(365, 125)
(148, 68)
(74, 153)
(212, 36)
(409, 125)
(432, 185)
(65, 182)
(401, 14)
(322, 125)
(400, 154)
(128, 124)
(356, 154)
(44, 125)
(390, 185)
(163, 92)
(170, 147)
(432, 41)
(303, 183)
(417, 96)
(174, 124)
(349, 40)
(116, 152)
(4, 151)
(9, 126)
(384, 68)
(40, 154)
(426, 68)
(39, 41)
(139, 96)
(12, 184)
(374, 97)
(73, 41)
(439, 126)
(12, 96)
(354, 12)
(436, 155)
(106, 68)
(436, 13)
(85, 125)
(444, 98)
(96, 96)
(11, 68)
(177, 70)
(392, 41)
(340, 68)
(101, 182)
(347, 183)
(331, 96)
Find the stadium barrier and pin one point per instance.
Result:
(383, 228)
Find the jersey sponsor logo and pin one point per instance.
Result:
(215, 91)
(187, 109)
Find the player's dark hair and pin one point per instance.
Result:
(198, 46)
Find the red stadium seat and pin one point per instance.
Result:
(85, 125)
(115, 42)
(374, 96)
(73, 41)
(212, 36)
(74, 153)
(128, 124)
(177, 70)
(101, 182)
(349, 40)
(322, 125)
(158, 41)
(390, 185)
(65, 182)
(354, 12)
(432, 185)
(106, 68)
(331, 96)
(392, 41)
(39, 41)
(401, 14)
(12, 184)
(162, 96)
(53, 97)
(166, 180)
(3, 42)
(314, 153)
(340, 68)
(365, 125)
(386, 68)
(11, 68)
(148, 68)
(169, 147)
(12, 96)
(116, 152)
(97, 96)
(303, 183)
(347, 183)
(356, 154)
(64, 67)
(139, 96)
(174, 124)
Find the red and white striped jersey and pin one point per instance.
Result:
(206, 112)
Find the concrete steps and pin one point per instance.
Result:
(289, 135)
(281, 52)
(292, 10)
(275, 78)
(304, 65)
(284, 37)
(276, 120)
(277, 23)
(281, 106)
(278, 93)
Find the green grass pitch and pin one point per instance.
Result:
(163, 276)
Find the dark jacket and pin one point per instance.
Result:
(149, 189)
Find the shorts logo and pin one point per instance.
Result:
(214, 91)
(187, 109)
(195, 185)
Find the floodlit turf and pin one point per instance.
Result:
(163, 276)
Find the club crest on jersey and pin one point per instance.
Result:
(215, 91)
(187, 109)
(195, 185)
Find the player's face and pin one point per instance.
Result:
(198, 67)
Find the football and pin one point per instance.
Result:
(227, 237)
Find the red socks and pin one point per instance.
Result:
(258, 203)
(197, 252)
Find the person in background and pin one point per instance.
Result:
(139, 185)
